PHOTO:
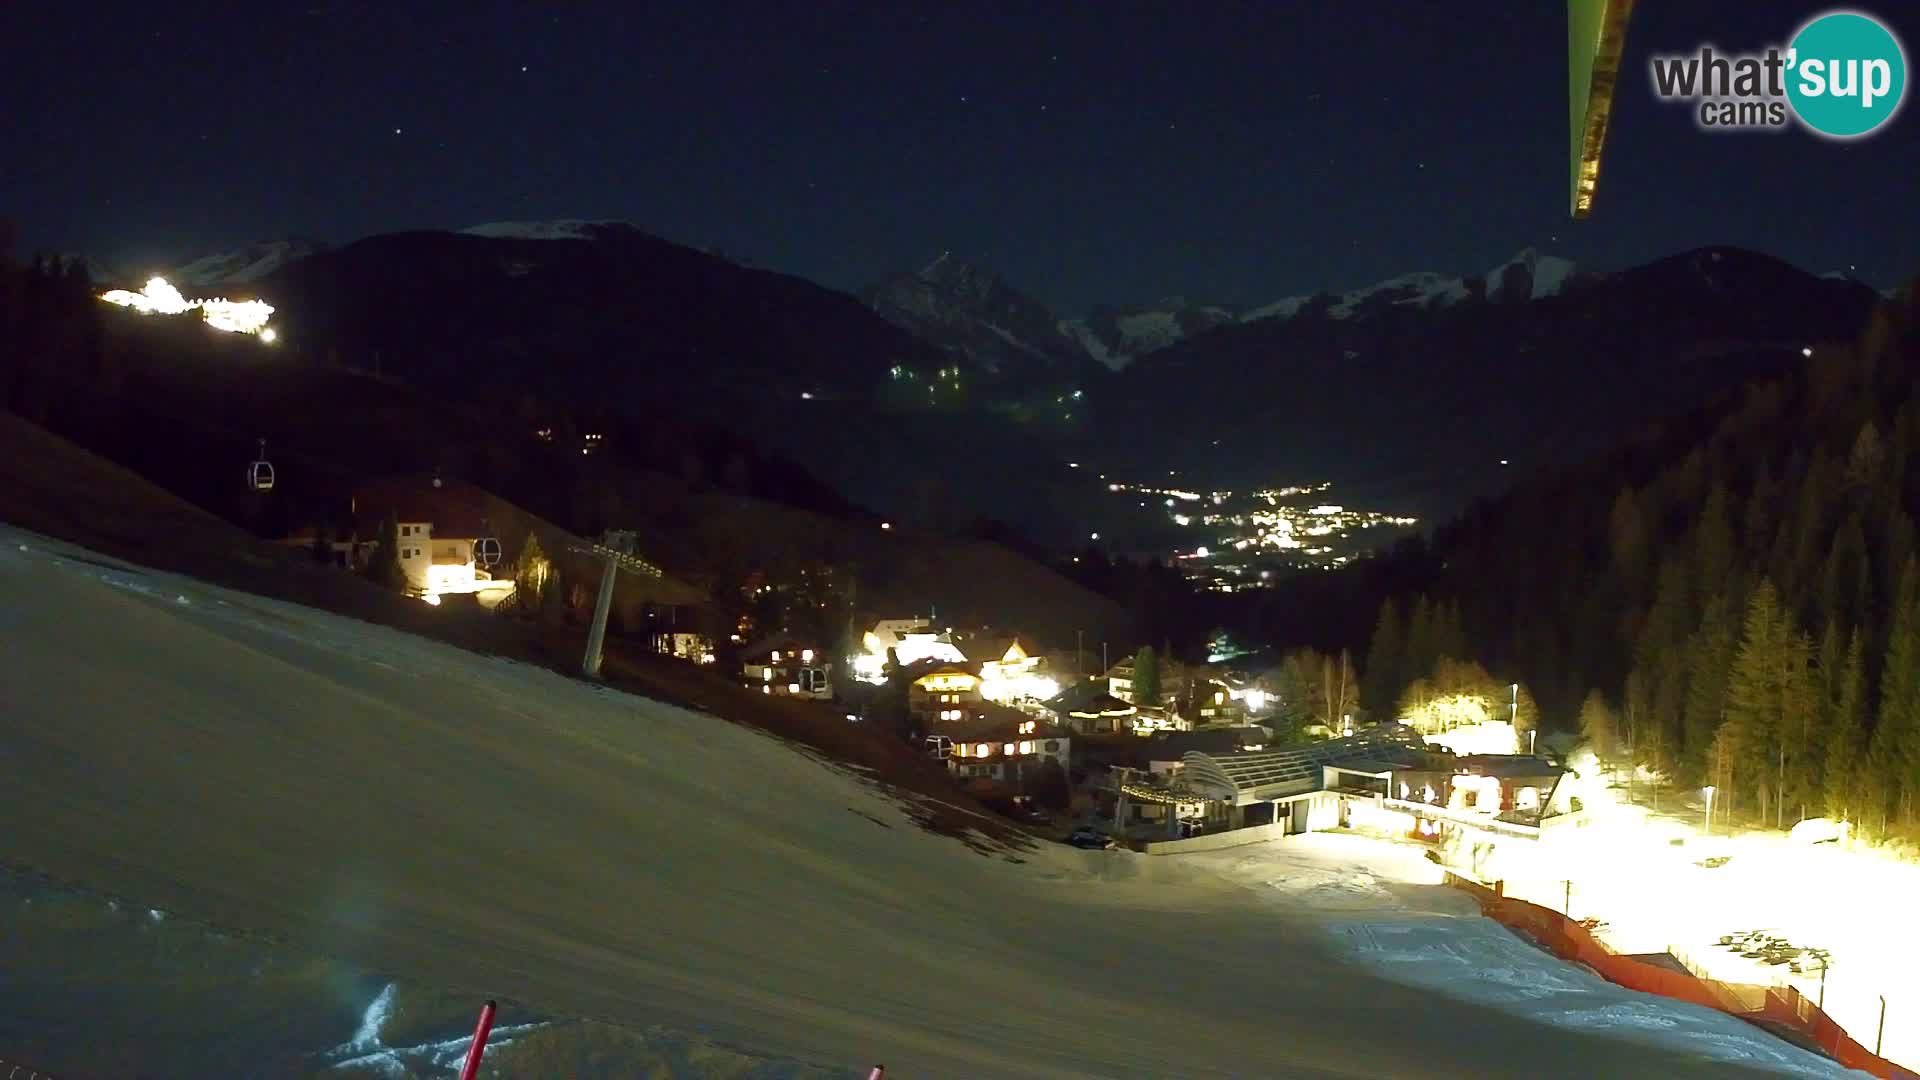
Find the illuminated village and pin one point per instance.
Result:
(1241, 538)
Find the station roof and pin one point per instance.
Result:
(1257, 776)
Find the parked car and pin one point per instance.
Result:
(1818, 831)
(1089, 838)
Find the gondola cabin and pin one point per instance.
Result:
(260, 471)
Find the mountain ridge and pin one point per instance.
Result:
(974, 314)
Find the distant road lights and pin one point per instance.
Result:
(885, 525)
(1708, 792)
(1503, 461)
(1808, 351)
(269, 335)
(1200, 552)
(1093, 536)
(806, 395)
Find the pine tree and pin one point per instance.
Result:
(1627, 537)
(1291, 710)
(1767, 696)
(1449, 632)
(1421, 653)
(530, 575)
(1756, 529)
(1670, 620)
(1386, 655)
(1805, 729)
(1709, 656)
(1146, 677)
(1598, 724)
(1846, 580)
(1713, 544)
(1897, 734)
(1810, 513)
(1846, 738)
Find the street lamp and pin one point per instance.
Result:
(1708, 792)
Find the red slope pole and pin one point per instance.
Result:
(472, 1068)
(879, 1073)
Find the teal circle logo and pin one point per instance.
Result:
(1846, 75)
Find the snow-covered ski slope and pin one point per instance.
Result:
(484, 826)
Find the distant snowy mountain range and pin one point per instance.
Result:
(975, 314)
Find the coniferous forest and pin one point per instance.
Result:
(1734, 596)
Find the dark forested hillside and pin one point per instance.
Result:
(1420, 406)
(1739, 585)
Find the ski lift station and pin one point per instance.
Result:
(1386, 779)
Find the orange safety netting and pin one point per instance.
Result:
(1786, 1006)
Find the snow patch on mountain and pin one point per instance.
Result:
(1548, 274)
(1083, 335)
(1418, 290)
(1151, 329)
(1534, 275)
(248, 264)
(1115, 337)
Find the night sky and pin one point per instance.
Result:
(1092, 152)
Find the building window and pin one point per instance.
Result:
(1053, 746)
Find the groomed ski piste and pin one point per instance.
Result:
(481, 825)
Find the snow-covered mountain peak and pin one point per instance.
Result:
(973, 314)
(247, 264)
(1546, 275)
